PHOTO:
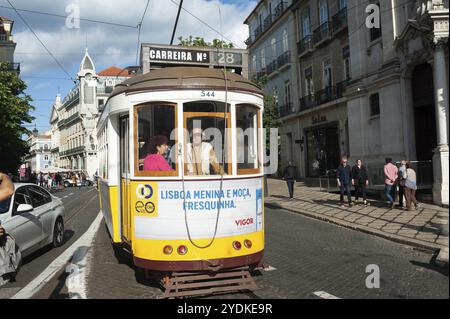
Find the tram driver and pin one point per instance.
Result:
(201, 157)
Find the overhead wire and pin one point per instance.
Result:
(139, 30)
(40, 41)
(205, 23)
(65, 17)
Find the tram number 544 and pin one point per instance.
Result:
(208, 94)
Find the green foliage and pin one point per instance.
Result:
(200, 42)
(14, 112)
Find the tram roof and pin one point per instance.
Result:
(176, 78)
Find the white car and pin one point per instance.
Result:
(34, 217)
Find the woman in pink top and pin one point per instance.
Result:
(155, 161)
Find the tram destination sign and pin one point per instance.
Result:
(179, 55)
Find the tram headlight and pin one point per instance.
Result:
(237, 245)
(182, 250)
(248, 243)
(168, 249)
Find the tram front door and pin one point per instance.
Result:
(125, 178)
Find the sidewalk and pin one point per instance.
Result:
(422, 228)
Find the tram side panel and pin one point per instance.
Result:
(159, 210)
(108, 184)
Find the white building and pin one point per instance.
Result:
(40, 156)
(74, 119)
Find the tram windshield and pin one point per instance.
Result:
(207, 138)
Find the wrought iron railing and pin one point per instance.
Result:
(307, 102)
(340, 20)
(321, 33)
(284, 59)
(286, 109)
(267, 22)
(305, 44)
(272, 67)
(279, 10)
(258, 31)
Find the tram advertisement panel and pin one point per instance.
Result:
(160, 208)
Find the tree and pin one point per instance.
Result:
(14, 112)
(271, 117)
(200, 42)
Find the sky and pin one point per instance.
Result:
(111, 43)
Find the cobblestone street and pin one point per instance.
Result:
(309, 256)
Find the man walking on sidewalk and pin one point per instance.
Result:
(390, 176)
(344, 179)
(290, 177)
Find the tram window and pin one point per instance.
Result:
(155, 151)
(207, 133)
(247, 135)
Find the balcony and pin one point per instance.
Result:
(69, 100)
(279, 10)
(305, 45)
(341, 87)
(12, 67)
(261, 73)
(286, 109)
(105, 89)
(307, 102)
(322, 33)
(258, 32)
(328, 94)
(72, 118)
(340, 21)
(73, 151)
(267, 22)
(284, 59)
(325, 95)
(272, 67)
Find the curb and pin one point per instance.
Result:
(395, 238)
(442, 258)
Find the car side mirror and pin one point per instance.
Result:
(24, 208)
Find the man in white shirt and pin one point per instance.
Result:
(200, 156)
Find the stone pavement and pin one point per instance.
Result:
(425, 228)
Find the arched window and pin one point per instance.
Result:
(285, 41)
(273, 46)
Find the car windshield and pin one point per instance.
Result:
(4, 205)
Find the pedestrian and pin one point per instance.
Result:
(290, 177)
(401, 182)
(41, 179)
(390, 176)
(360, 180)
(344, 179)
(410, 187)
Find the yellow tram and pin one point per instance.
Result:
(203, 210)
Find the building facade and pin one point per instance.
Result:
(309, 89)
(40, 156)
(365, 92)
(74, 118)
(7, 45)
(398, 101)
